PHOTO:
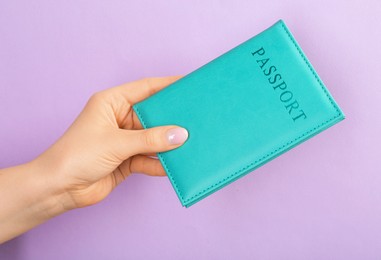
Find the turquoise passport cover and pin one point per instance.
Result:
(241, 110)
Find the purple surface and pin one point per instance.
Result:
(322, 200)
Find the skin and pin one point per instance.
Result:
(105, 144)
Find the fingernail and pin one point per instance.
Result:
(177, 135)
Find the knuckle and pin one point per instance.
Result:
(148, 85)
(102, 97)
(150, 139)
(159, 168)
(97, 97)
(144, 165)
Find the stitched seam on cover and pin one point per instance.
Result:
(165, 164)
(260, 160)
(267, 155)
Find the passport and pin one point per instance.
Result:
(242, 109)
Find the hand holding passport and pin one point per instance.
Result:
(263, 94)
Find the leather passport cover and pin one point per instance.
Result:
(241, 110)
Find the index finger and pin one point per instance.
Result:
(138, 90)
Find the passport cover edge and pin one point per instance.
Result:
(268, 157)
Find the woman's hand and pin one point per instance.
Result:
(104, 145)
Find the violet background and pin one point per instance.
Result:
(321, 200)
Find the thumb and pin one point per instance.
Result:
(155, 139)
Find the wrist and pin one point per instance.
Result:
(51, 197)
(29, 196)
